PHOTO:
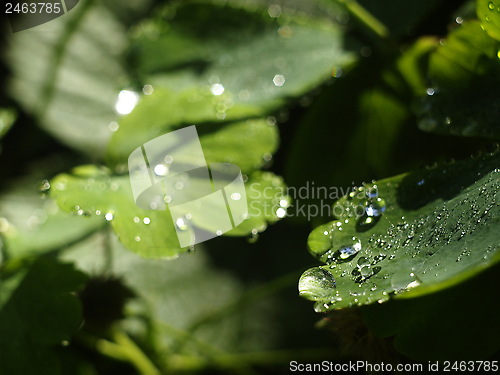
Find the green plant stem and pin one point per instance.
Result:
(365, 18)
(123, 349)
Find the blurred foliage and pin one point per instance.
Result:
(336, 93)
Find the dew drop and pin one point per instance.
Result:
(350, 250)
(375, 207)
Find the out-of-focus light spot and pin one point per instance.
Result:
(217, 89)
(278, 80)
(274, 10)
(281, 212)
(147, 89)
(161, 170)
(113, 126)
(126, 102)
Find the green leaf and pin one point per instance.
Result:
(188, 307)
(37, 313)
(465, 72)
(438, 229)
(466, 54)
(258, 59)
(90, 190)
(443, 314)
(33, 224)
(164, 111)
(399, 23)
(67, 74)
(7, 117)
(488, 13)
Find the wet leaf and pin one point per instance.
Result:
(257, 58)
(37, 312)
(56, 77)
(488, 13)
(32, 225)
(443, 314)
(242, 143)
(151, 233)
(412, 235)
(465, 74)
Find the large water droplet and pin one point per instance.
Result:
(350, 250)
(375, 207)
(317, 283)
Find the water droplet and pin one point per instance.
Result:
(317, 283)
(402, 281)
(109, 216)
(218, 232)
(146, 220)
(279, 80)
(217, 89)
(181, 224)
(161, 170)
(350, 250)
(235, 196)
(274, 10)
(375, 207)
(372, 191)
(126, 102)
(281, 212)
(137, 238)
(491, 6)
(44, 186)
(147, 89)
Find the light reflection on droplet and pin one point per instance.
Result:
(126, 102)
(109, 216)
(235, 196)
(278, 80)
(147, 89)
(274, 10)
(217, 89)
(281, 212)
(146, 220)
(161, 170)
(113, 126)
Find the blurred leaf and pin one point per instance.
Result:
(187, 308)
(469, 113)
(443, 314)
(360, 127)
(437, 230)
(465, 55)
(7, 117)
(399, 22)
(151, 233)
(258, 59)
(243, 143)
(488, 13)
(37, 312)
(67, 74)
(466, 73)
(32, 225)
